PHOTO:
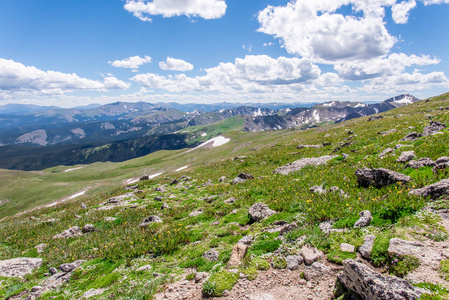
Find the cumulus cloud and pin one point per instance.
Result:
(132, 62)
(312, 29)
(394, 64)
(430, 2)
(407, 82)
(400, 11)
(206, 9)
(18, 79)
(254, 73)
(173, 64)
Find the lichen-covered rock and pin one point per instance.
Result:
(420, 163)
(299, 164)
(345, 247)
(71, 232)
(19, 267)
(211, 255)
(367, 247)
(260, 211)
(311, 254)
(149, 220)
(237, 255)
(365, 219)
(406, 156)
(379, 177)
(371, 285)
(433, 128)
(434, 190)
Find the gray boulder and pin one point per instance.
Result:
(317, 189)
(238, 253)
(71, 232)
(376, 117)
(420, 163)
(260, 211)
(406, 156)
(19, 267)
(247, 240)
(345, 247)
(230, 200)
(149, 220)
(365, 249)
(294, 261)
(71, 266)
(412, 136)
(315, 271)
(89, 228)
(401, 247)
(299, 164)
(442, 160)
(379, 177)
(371, 285)
(222, 179)
(433, 128)
(200, 276)
(385, 152)
(365, 219)
(435, 190)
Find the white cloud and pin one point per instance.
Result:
(406, 82)
(132, 62)
(401, 11)
(251, 74)
(206, 9)
(312, 29)
(19, 80)
(174, 64)
(394, 64)
(430, 2)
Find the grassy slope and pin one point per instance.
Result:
(122, 243)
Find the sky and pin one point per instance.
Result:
(77, 52)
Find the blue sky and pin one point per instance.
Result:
(76, 52)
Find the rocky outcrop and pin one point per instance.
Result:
(242, 177)
(149, 220)
(434, 190)
(433, 128)
(299, 164)
(71, 232)
(420, 163)
(368, 284)
(379, 177)
(237, 255)
(406, 156)
(365, 219)
(19, 267)
(260, 211)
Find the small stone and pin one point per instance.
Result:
(315, 271)
(237, 255)
(144, 268)
(89, 228)
(40, 248)
(294, 261)
(365, 219)
(211, 255)
(385, 152)
(347, 247)
(149, 220)
(406, 156)
(311, 254)
(230, 200)
(200, 276)
(260, 211)
(247, 240)
(317, 189)
(365, 249)
(222, 179)
(165, 206)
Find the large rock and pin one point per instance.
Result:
(149, 220)
(19, 267)
(260, 211)
(365, 219)
(71, 232)
(433, 128)
(379, 177)
(406, 156)
(435, 190)
(311, 254)
(370, 285)
(420, 163)
(299, 164)
(367, 247)
(237, 255)
(402, 248)
(315, 271)
(294, 261)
